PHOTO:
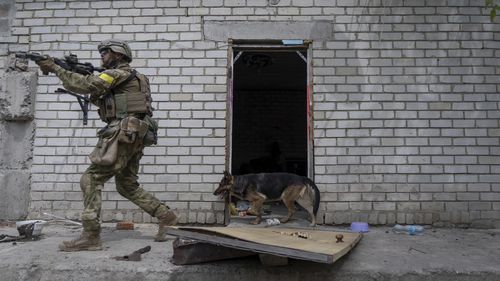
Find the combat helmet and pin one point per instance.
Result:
(117, 46)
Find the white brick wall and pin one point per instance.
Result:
(406, 119)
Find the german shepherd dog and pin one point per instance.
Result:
(258, 188)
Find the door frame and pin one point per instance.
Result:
(234, 45)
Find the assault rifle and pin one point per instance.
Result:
(69, 62)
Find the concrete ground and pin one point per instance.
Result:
(438, 254)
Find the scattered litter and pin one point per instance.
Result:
(8, 238)
(359, 227)
(299, 234)
(125, 225)
(242, 205)
(233, 210)
(30, 228)
(243, 209)
(271, 222)
(408, 229)
(135, 256)
(339, 238)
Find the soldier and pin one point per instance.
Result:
(124, 102)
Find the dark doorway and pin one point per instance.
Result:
(269, 117)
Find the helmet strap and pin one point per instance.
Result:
(115, 60)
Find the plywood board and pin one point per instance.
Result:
(320, 246)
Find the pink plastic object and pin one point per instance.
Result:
(359, 227)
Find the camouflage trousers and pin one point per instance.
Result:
(125, 172)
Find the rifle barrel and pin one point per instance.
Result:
(28, 55)
(69, 62)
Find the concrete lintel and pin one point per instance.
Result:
(309, 30)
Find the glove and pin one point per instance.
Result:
(47, 65)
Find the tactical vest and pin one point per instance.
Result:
(131, 96)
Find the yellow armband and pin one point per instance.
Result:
(107, 78)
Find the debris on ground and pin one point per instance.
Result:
(125, 225)
(8, 238)
(339, 238)
(134, 256)
(299, 234)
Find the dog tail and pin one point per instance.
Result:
(316, 194)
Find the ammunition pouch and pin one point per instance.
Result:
(132, 129)
(105, 152)
(151, 136)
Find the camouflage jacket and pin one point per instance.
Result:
(95, 85)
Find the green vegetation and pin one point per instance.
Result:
(494, 6)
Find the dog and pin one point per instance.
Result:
(259, 188)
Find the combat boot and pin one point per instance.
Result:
(166, 219)
(88, 241)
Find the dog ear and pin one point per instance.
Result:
(226, 173)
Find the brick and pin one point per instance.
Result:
(360, 206)
(384, 206)
(373, 197)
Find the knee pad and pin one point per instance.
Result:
(88, 183)
(85, 180)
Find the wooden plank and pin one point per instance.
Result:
(318, 241)
(320, 246)
(250, 246)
